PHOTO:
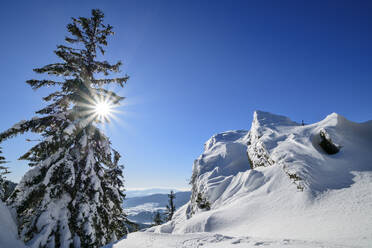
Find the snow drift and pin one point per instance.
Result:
(277, 181)
(8, 229)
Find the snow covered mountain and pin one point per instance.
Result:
(280, 184)
(141, 209)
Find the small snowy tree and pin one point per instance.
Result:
(3, 171)
(157, 219)
(72, 197)
(171, 208)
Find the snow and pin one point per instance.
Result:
(84, 140)
(206, 240)
(44, 207)
(296, 194)
(70, 129)
(271, 186)
(8, 229)
(18, 125)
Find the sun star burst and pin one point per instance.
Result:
(103, 110)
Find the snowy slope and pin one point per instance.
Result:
(8, 229)
(210, 240)
(295, 190)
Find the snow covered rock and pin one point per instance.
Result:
(264, 127)
(224, 156)
(327, 144)
(277, 181)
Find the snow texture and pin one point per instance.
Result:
(296, 194)
(8, 229)
(207, 240)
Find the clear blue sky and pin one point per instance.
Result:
(197, 68)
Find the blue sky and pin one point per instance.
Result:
(197, 68)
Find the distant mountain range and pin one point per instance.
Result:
(151, 191)
(141, 209)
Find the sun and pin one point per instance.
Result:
(103, 110)
(100, 108)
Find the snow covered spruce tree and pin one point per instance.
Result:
(171, 208)
(72, 197)
(3, 171)
(157, 219)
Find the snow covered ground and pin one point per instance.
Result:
(8, 229)
(296, 195)
(210, 240)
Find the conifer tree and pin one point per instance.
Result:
(3, 171)
(157, 219)
(171, 208)
(72, 196)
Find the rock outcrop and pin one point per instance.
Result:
(272, 179)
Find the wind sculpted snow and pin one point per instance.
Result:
(295, 189)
